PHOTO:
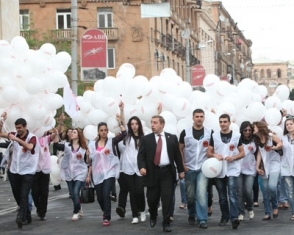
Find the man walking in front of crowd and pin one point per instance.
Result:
(226, 146)
(158, 157)
(23, 166)
(193, 147)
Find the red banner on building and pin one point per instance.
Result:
(198, 74)
(94, 46)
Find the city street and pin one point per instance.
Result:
(60, 212)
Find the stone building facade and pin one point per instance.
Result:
(271, 73)
(150, 44)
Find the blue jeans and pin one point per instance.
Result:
(289, 180)
(221, 185)
(74, 187)
(245, 184)
(183, 191)
(282, 194)
(103, 192)
(196, 190)
(270, 195)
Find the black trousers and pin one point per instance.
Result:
(40, 192)
(21, 186)
(123, 191)
(134, 184)
(163, 190)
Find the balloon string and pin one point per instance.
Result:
(4, 125)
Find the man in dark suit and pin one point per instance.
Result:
(158, 154)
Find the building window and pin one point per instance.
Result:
(279, 73)
(168, 61)
(104, 17)
(63, 19)
(269, 73)
(111, 58)
(24, 19)
(262, 73)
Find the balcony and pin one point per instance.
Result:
(61, 34)
(111, 33)
(27, 34)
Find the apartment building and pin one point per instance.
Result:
(197, 32)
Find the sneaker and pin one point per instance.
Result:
(251, 214)
(203, 225)
(120, 211)
(241, 217)
(171, 219)
(255, 204)
(81, 213)
(191, 220)
(75, 217)
(113, 197)
(235, 223)
(183, 206)
(135, 220)
(223, 222)
(106, 222)
(143, 216)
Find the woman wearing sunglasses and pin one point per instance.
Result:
(287, 161)
(268, 166)
(248, 171)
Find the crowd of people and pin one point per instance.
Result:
(156, 162)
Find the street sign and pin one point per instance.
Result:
(94, 46)
(198, 74)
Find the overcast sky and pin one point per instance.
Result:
(268, 23)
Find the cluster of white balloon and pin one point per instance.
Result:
(141, 97)
(29, 80)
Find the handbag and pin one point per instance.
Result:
(87, 194)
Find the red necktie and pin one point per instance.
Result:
(158, 151)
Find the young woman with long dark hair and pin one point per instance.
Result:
(268, 164)
(133, 180)
(104, 166)
(248, 171)
(74, 168)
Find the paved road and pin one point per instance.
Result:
(60, 212)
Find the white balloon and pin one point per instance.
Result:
(273, 116)
(244, 97)
(234, 127)
(278, 131)
(110, 106)
(262, 91)
(282, 92)
(88, 95)
(85, 106)
(255, 111)
(11, 94)
(97, 115)
(96, 100)
(7, 67)
(168, 101)
(183, 124)
(53, 101)
(126, 71)
(61, 61)
(167, 73)
(211, 167)
(184, 90)
(37, 111)
(113, 125)
(226, 108)
(169, 117)
(33, 86)
(5, 49)
(90, 132)
(171, 129)
(47, 51)
(273, 102)
(211, 120)
(210, 82)
(182, 107)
